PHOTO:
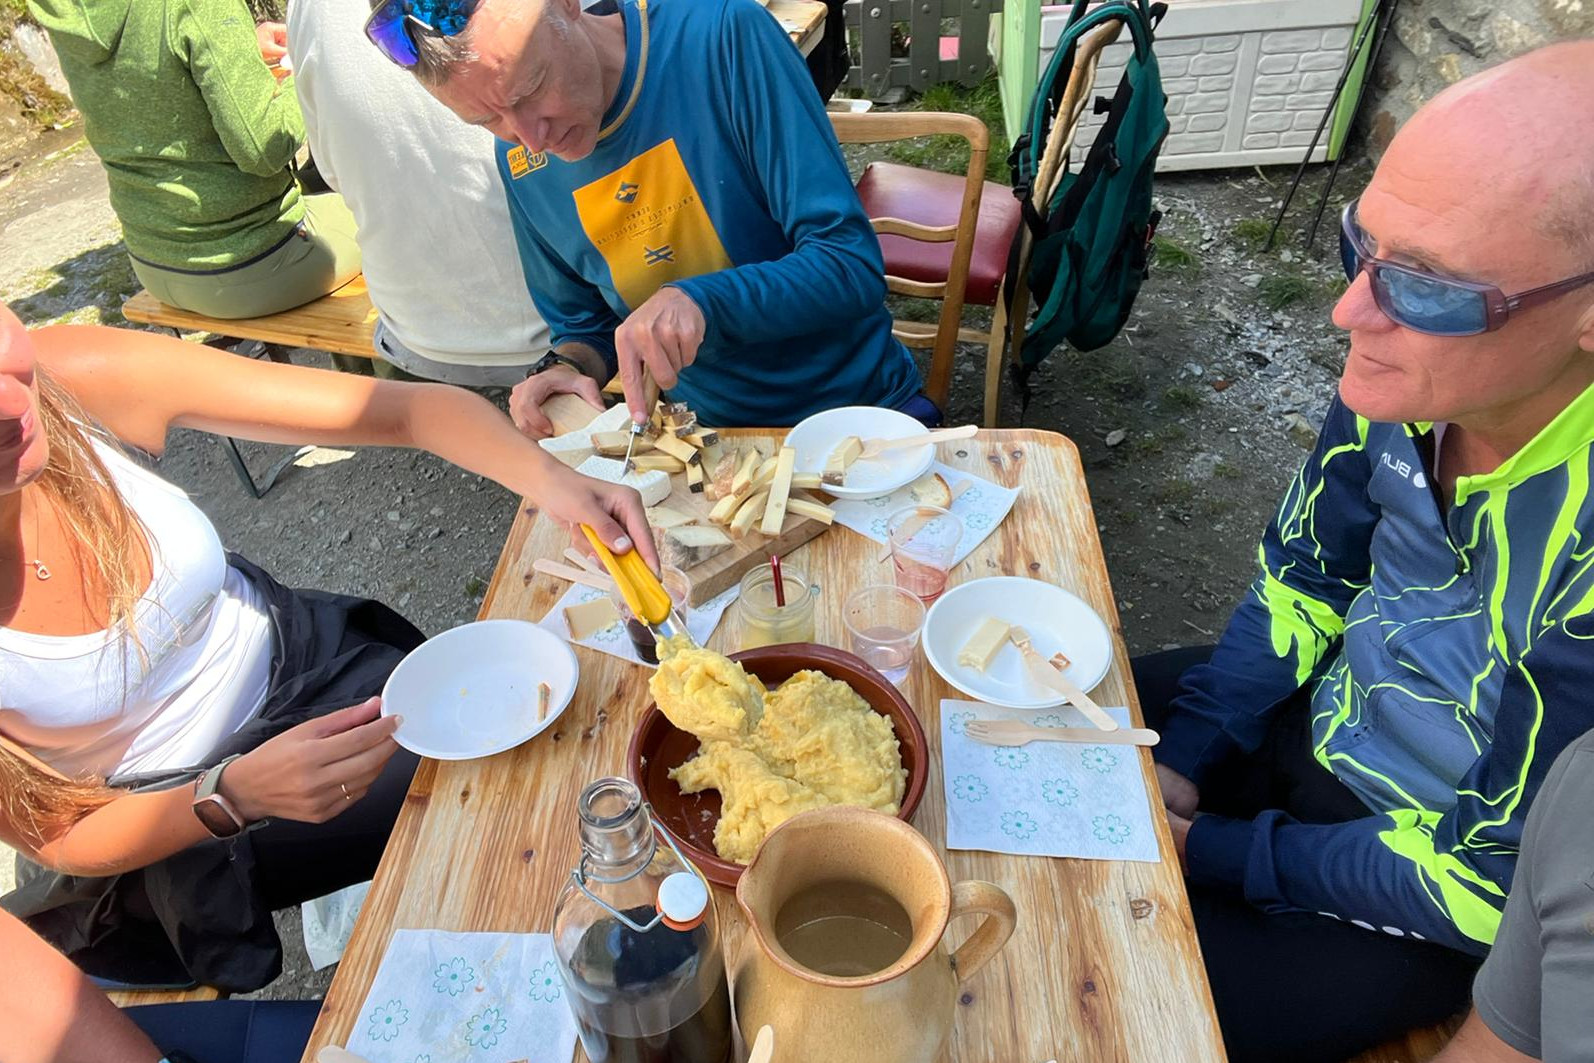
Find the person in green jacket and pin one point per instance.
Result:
(197, 135)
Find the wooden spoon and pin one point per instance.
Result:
(763, 1045)
(873, 448)
(1018, 733)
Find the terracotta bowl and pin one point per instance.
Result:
(657, 746)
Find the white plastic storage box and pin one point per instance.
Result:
(1247, 80)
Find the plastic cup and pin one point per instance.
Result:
(924, 541)
(883, 623)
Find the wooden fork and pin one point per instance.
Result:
(1018, 733)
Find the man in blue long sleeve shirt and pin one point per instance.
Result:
(1347, 777)
(681, 207)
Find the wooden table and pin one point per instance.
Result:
(1104, 964)
(803, 21)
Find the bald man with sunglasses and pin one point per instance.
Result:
(1348, 772)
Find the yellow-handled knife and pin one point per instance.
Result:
(644, 595)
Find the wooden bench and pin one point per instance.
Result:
(132, 998)
(343, 322)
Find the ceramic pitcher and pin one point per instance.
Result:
(900, 1014)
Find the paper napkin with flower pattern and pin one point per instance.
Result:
(442, 997)
(613, 640)
(1045, 798)
(981, 507)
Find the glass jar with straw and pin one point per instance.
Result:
(776, 605)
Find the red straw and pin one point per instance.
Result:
(780, 584)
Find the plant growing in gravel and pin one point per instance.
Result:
(1279, 290)
(1170, 255)
(1252, 233)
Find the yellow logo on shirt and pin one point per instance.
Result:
(649, 224)
(522, 162)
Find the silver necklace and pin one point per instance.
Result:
(40, 569)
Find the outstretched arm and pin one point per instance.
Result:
(140, 385)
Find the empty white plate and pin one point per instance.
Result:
(815, 437)
(472, 691)
(1055, 619)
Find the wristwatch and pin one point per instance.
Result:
(549, 360)
(214, 811)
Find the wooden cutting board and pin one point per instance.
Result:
(724, 570)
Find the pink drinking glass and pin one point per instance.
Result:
(924, 542)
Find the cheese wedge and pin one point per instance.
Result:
(692, 544)
(573, 448)
(779, 492)
(614, 444)
(589, 618)
(841, 458)
(742, 482)
(655, 462)
(807, 507)
(982, 647)
(749, 512)
(679, 449)
(666, 517)
(654, 487)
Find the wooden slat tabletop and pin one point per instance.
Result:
(1104, 964)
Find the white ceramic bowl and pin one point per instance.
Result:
(815, 437)
(472, 691)
(1055, 619)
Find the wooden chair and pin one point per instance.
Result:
(943, 237)
(340, 322)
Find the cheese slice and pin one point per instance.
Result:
(668, 517)
(654, 487)
(589, 618)
(690, 545)
(982, 647)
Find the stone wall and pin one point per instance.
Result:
(1436, 43)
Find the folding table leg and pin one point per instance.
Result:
(259, 489)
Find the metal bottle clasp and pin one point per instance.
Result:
(579, 875)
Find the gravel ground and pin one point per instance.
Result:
(1189, 423)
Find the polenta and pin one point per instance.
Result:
(810, 743)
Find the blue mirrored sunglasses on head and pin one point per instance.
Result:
(392, 25)
(1434, 305)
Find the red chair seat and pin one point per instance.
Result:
(891, 190)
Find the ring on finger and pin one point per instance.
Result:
(346, 795)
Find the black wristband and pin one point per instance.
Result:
(551, 359)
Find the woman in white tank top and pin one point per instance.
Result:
(134, 650)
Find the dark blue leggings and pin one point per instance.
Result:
(230, 1031)
(1297, 986)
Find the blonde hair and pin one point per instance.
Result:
(107, 540)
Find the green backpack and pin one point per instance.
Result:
(1092, 247)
